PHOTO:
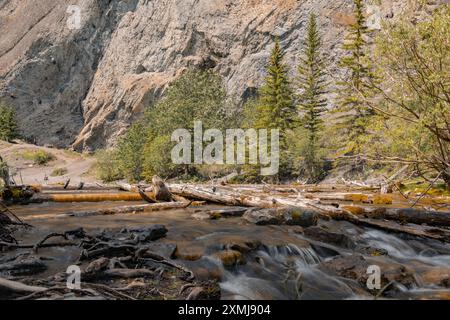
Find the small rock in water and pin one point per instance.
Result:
(230, 258)
(151, 233)
(188, 252)
(324, 235)
(165, 250)
(436, 276)
(263, 217)
(299, 217)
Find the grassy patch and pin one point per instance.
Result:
(59, 172)
(38, 157)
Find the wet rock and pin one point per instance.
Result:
(243, 246)
(438, 276)
(298, 217)
(201, 216)
(4, 219)
(151, 233)
(375, 252)
(5, 235)
(208, 291)
(324, 251)
(324, 235)
(23, 266)
(166, 250)
(288, 216)
(208, 273)
(262, 217)
(356, 267)
(230, 258)
(188, 252)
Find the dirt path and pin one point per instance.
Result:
(77, 165)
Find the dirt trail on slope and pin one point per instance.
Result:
(77, 165)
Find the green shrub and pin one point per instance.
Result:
(145, 150)
(8, 125)
(130, 152)
(157, 159)
(39, 157)
(107, 166)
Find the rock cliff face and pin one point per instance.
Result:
(82, 82)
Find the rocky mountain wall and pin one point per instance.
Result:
(82, 82)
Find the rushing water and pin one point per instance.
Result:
(284, 265)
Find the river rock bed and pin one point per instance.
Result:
(170, 255)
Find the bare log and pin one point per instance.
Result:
(92, 197)
(18, 287)
(129, 209)
(413, 230)
(409, 215)
(127, 187)
(147, 198)
(128, 273)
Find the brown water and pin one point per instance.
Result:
(286, 266)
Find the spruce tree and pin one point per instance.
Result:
(276, 108)
(276, 105)
(355, 89)
(312, 100)
(8, 125)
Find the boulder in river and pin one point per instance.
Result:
(327, 236)
(288, 216)
(150, 233)
(230, 258)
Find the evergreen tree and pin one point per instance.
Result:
(354, 90)
(276, 109)
(275, 106)
(8, 126)
(312, 85)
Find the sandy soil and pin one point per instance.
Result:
(77, 165)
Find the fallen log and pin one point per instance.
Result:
(145, 197)
(86, 186)
(92, 197)
(201, 193)
(128, 209)
(127, 187)
(413, 230)
(409, 215)
(18, 287)
(128, 273)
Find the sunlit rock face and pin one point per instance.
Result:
(79, 72)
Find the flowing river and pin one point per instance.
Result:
(330, 261)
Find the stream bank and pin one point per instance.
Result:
(230, 258)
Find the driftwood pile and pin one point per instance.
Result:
(125, 264)
(129, 264)
(266, 204)
(279, 200)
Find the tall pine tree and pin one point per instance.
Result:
(312, 100)
(355, 89)
(276, 108)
